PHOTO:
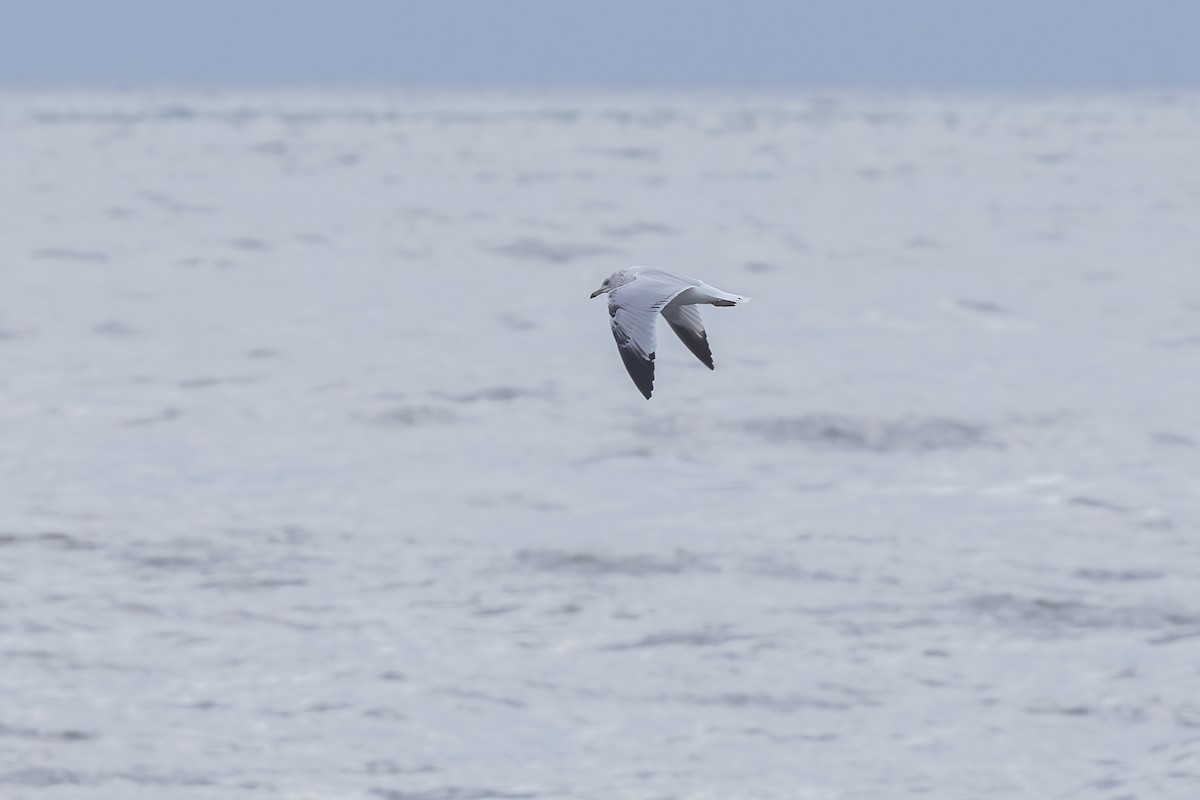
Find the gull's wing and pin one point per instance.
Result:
(634, 309)
(685, 321)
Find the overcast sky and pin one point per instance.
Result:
(619, 43)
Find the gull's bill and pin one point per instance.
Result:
(636, 296)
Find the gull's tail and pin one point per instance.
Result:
(726, 299)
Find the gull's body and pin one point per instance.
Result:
(636, 296)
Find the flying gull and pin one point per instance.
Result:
(637, 295)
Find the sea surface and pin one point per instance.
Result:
(321, 476)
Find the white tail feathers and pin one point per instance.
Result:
(727, 299)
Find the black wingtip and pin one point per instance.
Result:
(697, 342)
(640, 369)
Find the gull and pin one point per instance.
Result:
(636, 296)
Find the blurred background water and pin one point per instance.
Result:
(321, 477)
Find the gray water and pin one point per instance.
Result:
(321, 477)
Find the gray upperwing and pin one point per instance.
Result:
(685, 321)
(635, 342)
(633, 309)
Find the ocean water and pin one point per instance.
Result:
(321, 477)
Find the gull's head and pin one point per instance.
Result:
(611, 282)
